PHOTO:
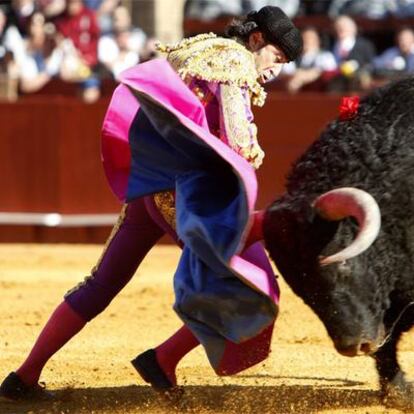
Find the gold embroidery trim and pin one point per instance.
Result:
(114, 230)
(215, 59)
(165, 203)
(241, 134)
(234, 116)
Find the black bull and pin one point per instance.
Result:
(364, 301)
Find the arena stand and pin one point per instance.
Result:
(56, 167)
(54, 189)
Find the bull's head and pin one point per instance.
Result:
(317, 247)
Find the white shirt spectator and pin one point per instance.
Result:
(211, 9)
(290, 7)
(136, 42)
(372, 9)
(13, 42)
(30, 68)
(323, 60)
(343, 47)
(115, 57)
(399, 57)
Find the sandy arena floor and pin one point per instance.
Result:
(92, 373)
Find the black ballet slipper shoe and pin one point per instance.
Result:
(151, 372)
(14, 389)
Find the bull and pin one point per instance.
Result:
(342, 234)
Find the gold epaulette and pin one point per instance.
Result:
(215, 59)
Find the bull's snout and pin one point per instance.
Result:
(355, 346)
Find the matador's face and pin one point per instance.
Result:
(269, 58)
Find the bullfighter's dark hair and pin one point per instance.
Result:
(276, 27)
(241, 28)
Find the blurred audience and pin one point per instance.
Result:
(79, 27)
(372, 9)
(211, 9)
(11, 45)
(79, 24)
(20, 13)
(85, 41)
(399, 59)
(402, 8)
(137, 41)
(312, 7)
(290, 7)
(125, 46)
(42, 58)
(353, 55)
(51, 8)
(103, 10)
(313, 62)
(121, 49)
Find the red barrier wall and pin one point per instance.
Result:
(50, 157)
(287, 125)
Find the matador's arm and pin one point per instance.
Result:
(237, 128)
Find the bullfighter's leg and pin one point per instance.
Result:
(157, 366)
(131, 239)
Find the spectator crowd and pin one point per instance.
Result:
(341, 58)
(373, 9)
(87, 41)
(79, 41)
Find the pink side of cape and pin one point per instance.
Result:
(171, 92)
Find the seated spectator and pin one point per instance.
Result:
(125, 46)
(312, 7)
(121, 58)
(402, 8)
(103, 10)
(137, 39)
(397, 60)
(353, 55)
(290, 7)
(211, 9)
(20, 13)
(313, 62)
(80, 62)
(11, 45)
(371, 9)
(42, 59)
(51, 8)
(115, 53)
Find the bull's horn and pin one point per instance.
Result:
(345, 202)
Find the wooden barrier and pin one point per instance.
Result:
(50, 158)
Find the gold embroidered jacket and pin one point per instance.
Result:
(222, 74)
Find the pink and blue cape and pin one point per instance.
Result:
(155, 137)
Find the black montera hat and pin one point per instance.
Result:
(278, 29)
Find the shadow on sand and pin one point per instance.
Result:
(199, 399)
